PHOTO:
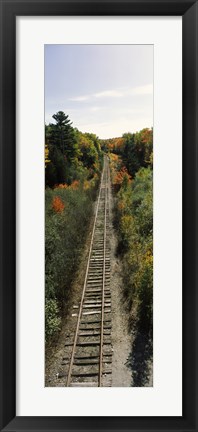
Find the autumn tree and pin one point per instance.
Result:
(46, 155)
(137, 150)
(88, 152)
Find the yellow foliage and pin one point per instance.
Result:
(46, 155)
(148, 258)
(126, 223)
(113, 157)
(86, 185)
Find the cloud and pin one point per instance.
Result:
(79, 98)
(142, 90)
(116, 93)
(109, 93)
(95, 108)
(102, 94)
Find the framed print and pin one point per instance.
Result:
(98, 215)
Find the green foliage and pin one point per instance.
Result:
(135, 223)
(142, 201)
(73, 167)
(65, 234)
(74, 161)
(55, 170)
(52, 319)
(89, 153)
(145, 307)
(137, 150)
(62, 135)
(70, 152)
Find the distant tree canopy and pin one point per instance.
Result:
(138, 150)
(135, 149)
(69, 151)
(113, 145)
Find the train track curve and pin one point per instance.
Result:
(89, 354)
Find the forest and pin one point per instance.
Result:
(73, 162)
(73, 165)
(131, 162)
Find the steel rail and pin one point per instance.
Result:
(84, 286)
(103, 287)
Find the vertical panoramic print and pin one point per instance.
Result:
(98, 215)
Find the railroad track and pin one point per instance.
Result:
(89, 353)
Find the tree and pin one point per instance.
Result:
(130, 154)
(137, 150)
(89, 154)
(70, 154)
(47, 160)
(55, 172)
(62, 129)
(95, 140)
(62, 135)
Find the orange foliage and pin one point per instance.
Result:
(74, 185)
(114, 144)
(57, 204)
(118, 179)
(114, 157)
(121, 206)
(62, 186)
(118, 142)
(146, 135)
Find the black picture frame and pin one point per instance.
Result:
(9, 10)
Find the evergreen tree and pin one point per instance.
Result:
(62, 135)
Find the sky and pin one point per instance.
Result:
(104, 89)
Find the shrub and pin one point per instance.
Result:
(134, 214)
(52, 319)
(67, 217)
(57, 204)
(145, 294)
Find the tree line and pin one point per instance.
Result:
(131, 160)
(73, 162)
(70, 154)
